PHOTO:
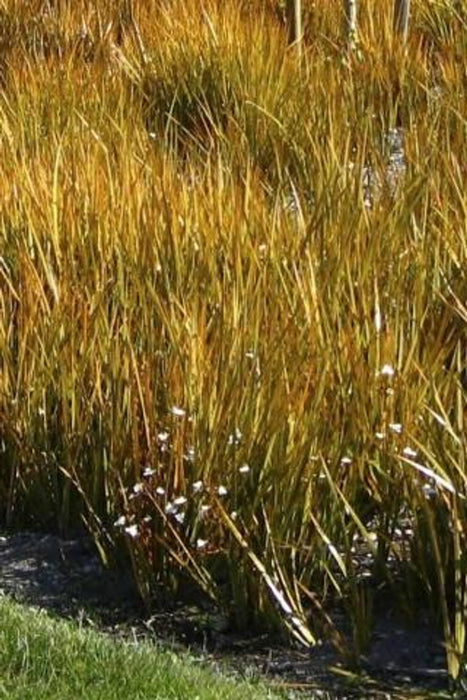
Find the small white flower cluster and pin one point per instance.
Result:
(409, 452)
(190, 454)
(235, 438)
(173, 508)
(197, 486)
(136, 491)
(396, 428)
(132, 531)
(129, 529)
(178, 412)
(387, 371)
(136, 524)
(180, 501)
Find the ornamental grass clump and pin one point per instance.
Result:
(232, 293)
(203, 94)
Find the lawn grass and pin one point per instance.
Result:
(42, 658)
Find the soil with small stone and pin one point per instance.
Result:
(66, 577)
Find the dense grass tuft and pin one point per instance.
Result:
(238, 280)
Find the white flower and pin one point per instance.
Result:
(177, 412)
(160, 491)
(147, 519)
(395, 427)
(387, 371)
(190, 454)
(205, 509)
(234, 515)
(222, 491)
(409, 452)
(180, 501)
(197, 487)
(180, 518)
(244, 469)
(380, 436)
(148, 472)
(345, 461)
(120, 522)
(235, 438)
(170, 508)
(201, 544)
(132, 531)
(163, 436)
(138, 488)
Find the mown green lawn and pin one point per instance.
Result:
(46, 659)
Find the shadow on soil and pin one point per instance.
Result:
(67, 578)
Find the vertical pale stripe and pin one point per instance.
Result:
(351, 26)
(401, 18)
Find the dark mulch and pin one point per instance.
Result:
(67, 578)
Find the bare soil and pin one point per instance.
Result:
(67, 578)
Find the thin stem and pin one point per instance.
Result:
(351, 23)
(401, 18)
(295, 24)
